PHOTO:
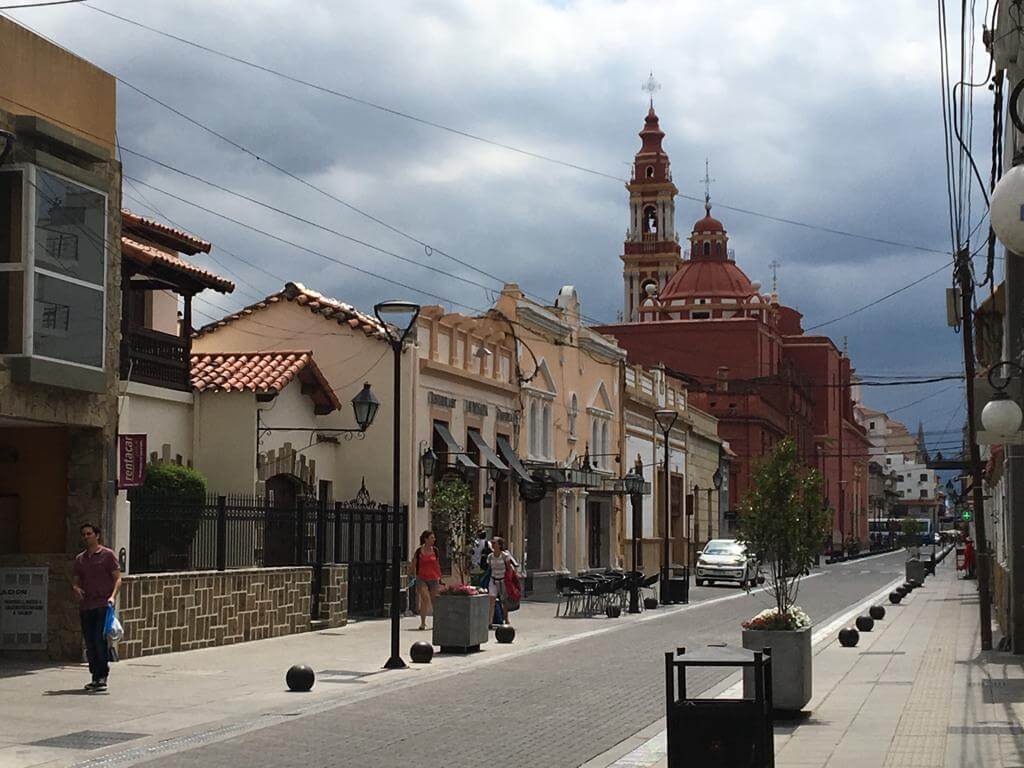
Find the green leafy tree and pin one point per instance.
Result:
(451, 507)
(782, 520)
(911, 529)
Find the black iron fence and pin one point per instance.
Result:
(225, 532)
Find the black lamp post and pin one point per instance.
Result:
(634, 482)
(665, 419)
(398, 319)
(716, 479)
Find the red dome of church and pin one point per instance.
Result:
(707, 279)
(709, 272)
(709, 224)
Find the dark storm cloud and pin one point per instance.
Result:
(812, 111)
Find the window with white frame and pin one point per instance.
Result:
(535, 428)
(53, 243)
(546, 431)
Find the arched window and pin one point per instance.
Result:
(545, 448)
(534, 429)
(574, 409)
(595, 440)
(707, 248)
(604, 445)
(650, 171)
(650, 220)
(718, 248)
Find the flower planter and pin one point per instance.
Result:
(460, 622)
(791, 665)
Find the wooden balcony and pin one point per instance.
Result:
(152, 357)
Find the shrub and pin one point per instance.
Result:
(175, 482)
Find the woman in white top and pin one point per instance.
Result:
(498, 562)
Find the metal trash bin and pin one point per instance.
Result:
(730, 733)
(677, 587)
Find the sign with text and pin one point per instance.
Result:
(131, 460)
(23, 609)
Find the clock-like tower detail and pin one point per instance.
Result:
(651, 253)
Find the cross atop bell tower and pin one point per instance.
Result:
(651, 253)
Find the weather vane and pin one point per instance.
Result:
(707, 184)
(650, 87)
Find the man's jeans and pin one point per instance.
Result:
(93, 620)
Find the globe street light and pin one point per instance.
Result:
(1001, 414)
(398, 318)
(665, 419)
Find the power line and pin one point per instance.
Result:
(38, 5)
(922, 399)
(880, 299)
(482, 139)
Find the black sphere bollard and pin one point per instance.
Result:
(902, 591)
(865, 623)
(650, 603)
(876, 612)
(299, 678)
(849, 637)
(895, 597)
(613, 611)
(421, 652)
(504, 633)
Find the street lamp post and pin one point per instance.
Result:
(716, 479)
(398, 319)
(634, 482)
(695, 528)
(665, 419)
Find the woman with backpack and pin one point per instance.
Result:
(426, 568)
(502, 567)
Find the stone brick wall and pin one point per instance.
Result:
(334, 595)
(181, 611)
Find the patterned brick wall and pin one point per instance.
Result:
(181, 611)
(334, 595)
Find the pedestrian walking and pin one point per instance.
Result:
(427, 570)
(96, 580)
(499, 562)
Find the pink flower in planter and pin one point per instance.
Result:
(461, 589)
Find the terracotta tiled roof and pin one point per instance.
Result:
(332, 309)
(261, 372)
(191, 244)
(145, 255)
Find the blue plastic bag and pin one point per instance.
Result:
(112, 628)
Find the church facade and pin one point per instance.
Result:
(744, 355)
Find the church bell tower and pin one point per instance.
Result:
(651, 253)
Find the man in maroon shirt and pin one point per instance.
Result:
(96, 580)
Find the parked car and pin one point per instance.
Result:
(726, 560)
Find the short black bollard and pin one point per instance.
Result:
(848, 637)
(299, 678)
(865, 623)
(876, 612)
(613, 611)
(650, 603)
(895, 597)
(504, 633)
(421, 652)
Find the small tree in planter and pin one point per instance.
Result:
(910, 528)
(450, 505)
(782, 519)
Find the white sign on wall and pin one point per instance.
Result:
(23, 608)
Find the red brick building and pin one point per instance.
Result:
(744, 355)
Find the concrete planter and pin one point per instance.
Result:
(917, 570)
(460, 623)
(791, 666)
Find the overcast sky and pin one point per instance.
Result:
(823, 112)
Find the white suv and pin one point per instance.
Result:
(725, 560)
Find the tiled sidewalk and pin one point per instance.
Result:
(916, 692)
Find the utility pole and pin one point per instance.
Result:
(964, 276)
